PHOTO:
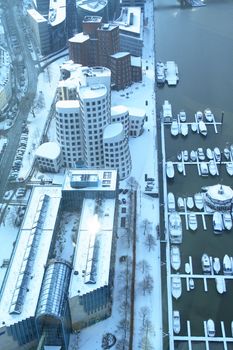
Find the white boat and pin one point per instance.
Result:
(175, 227)
(176, 321)
(226, 153)
(175, 257)
(217, 154)
(209, 154)
(216, 265)
(179, 156)
(193, 156)
(167, 112)
(204, 169)
(187, 268)
(174, 128)
(185, 155)
(194, 127)
(220, 284)
(208, 115)
(210, 328)
(190, 202)
(229, 168)
(227, 220)
(171, 201)
(180, 167)
(171, 73)
(217, 222)
(180, 203)
(182, 116)
(227, 267)
(198, 200)
(205, 262)
(213, 168)
(192, 221)
(191, 283)
(160, 70)
(176, 286)
(184, 129)
(200, 154)
(202, 128)
(199, 116)
(170, 170)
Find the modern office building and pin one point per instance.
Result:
(136, 69)
(49, 157)
(5, 79)
(120, 114)
(120, 65)
(108, 37)
(79, 49)
(91, 8)
(116, 150)
(137, 117)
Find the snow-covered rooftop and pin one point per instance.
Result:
(67, 104)
(98, 176)
(44, 220)
(92, 5)
(57, 12)
(36, 16)
(93, 91)
(136, 112)
(130, 20)
(49, 150)
(113, 130)
(79, 38)
(93, 249)
(119, 109)
(120, 54)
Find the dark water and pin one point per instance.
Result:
(200, 41)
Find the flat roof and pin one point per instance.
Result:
(47, 223)
(79, 38)
(120, 54)
(57, 12)
(93, 91)
(130, 20)
(93, 249)
(113, 130)
(102, 176)
(67, 104)
(36, 16)
(92, 5)
(119, 109)
(49, 150)
(136, 112)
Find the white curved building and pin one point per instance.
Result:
(5, 78)
(116, 150)
(68, 131)
(120, 114)
(48, 156)
(95, 116)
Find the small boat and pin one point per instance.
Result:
(180, 167)
(213, 168)
(202, 128)
(229, 168)
(217, 154)
(179, 156)
(210, 328)
(175, 257)
(227, 267)
(170, 170)
(160, 72)
(174, 128)
(220, 284)
(198, 200)
(192, 221)
(176, 286)
(209, 154)
(191, 283)
(216, 265)
(200, 154)
(194, 127)
(190, 202)
(193, 156)
(227, 220)
(175, 227)
(180, 203)
(187, 268)
(208, 115)
(199, 116)
(205, 262)
(204, 169)
(171, 73)
(184, 129)
(167, 112)
(226, 153)
(182, 116)
(171, 201)
(185, 155)
(205, 188)
(176, 321)
(217, 222)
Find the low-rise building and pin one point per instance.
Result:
(137, 117)
(120, 65)
(49, 157)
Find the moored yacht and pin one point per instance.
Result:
(208, 115)
(190, 202)
(176, 286)
(180, 203)
(184, 129)
(226, 153)
(185, 155)
(220, 284)
(210, 328)
(202, 128)
(175, 257)
(171, 201)
(198, 200)
(192, 221)
(213, 168)
(174, 128)
(180, 167)
(176, 321)
(209, 154)
(170, 170)
(200, 154)
(175, 227)
(217, 154)
(193, 156)
(204, 169)
(160, 72)
(227, 266)
(194, 127)
(229, 168)
(182, 116)
(199, 116)
(205, 262)
(216, 265)
(227, 220)
(217, 222)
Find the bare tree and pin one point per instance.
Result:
(124, 307)
(146, 225)
(132, 183)
(143, 266)
(145, 331)
(122, 344)
(147, 284)
(144, 313)
(150, 241)
(145, 344)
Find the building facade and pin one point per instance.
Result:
(5, 79)
(49, 157)
(120, 64)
